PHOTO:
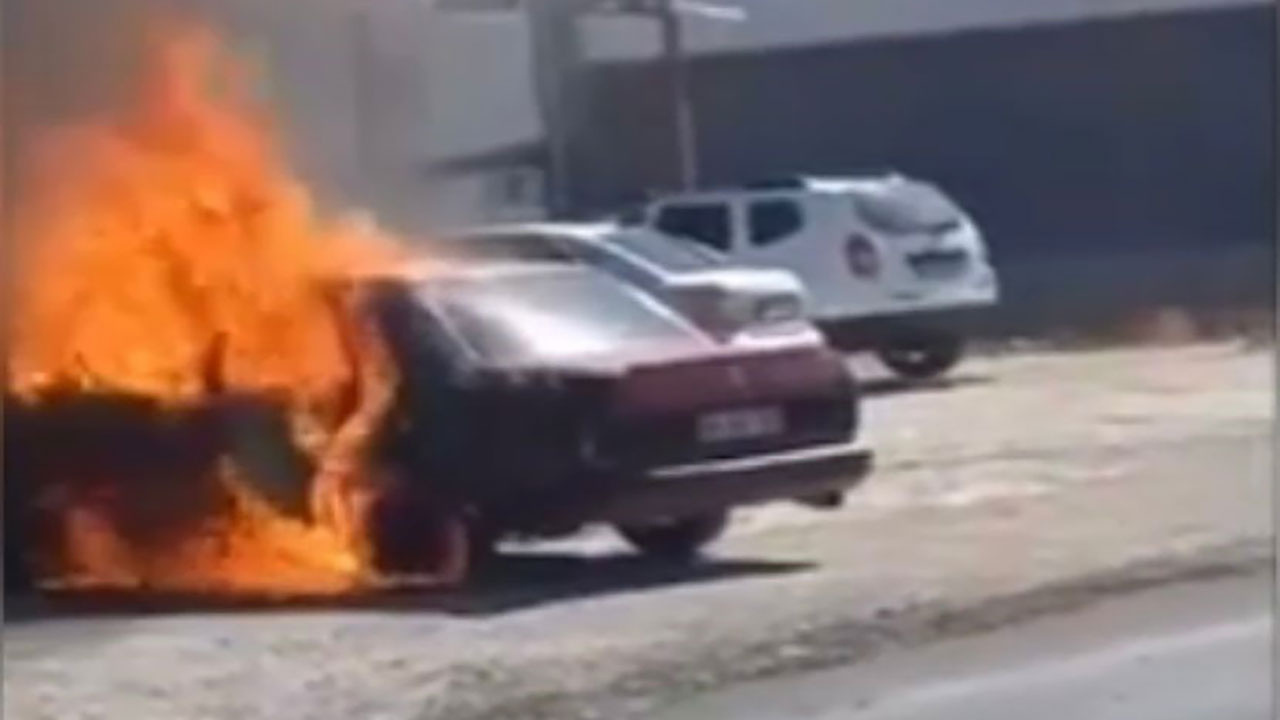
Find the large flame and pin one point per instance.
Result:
(169, 257)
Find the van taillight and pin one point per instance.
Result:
(862, 257)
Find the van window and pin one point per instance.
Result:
(707, 223)
(666, 252)
(908, 207)
(774, 220)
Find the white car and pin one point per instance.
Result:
(890, 263)
(722, 299)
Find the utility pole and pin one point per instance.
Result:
(684, 122)
(364, 78)
(557, 68)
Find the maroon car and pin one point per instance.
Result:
(540, 398)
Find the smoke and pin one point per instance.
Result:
(64, 60)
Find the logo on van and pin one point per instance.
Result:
(861, 256)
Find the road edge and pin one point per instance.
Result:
(647, 688)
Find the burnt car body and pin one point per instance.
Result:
(540, 398)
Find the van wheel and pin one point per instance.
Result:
(681, 538)
(921, 358)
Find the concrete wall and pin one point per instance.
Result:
(366, 93)
(790, 24)
(1126, 160)
(1123, 139)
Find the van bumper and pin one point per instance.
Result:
(864, 333)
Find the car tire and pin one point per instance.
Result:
(412, 538)
(482, 547)
(922, 358)
(17, 572)
(681, 538)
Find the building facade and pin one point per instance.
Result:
(1092, 139)
(1117, 153)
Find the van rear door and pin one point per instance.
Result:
(920, 232)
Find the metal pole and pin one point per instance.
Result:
(555, 67)
(366, 98)
(684, 122)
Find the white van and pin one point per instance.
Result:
(891, 264)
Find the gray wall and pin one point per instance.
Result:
(1108, 160)
(363, 100)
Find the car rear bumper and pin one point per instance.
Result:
(704, 486)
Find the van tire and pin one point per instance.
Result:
(922, 357)
(677, 539)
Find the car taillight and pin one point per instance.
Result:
(862, 257)
(779, 310)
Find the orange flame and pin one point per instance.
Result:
(170, 255)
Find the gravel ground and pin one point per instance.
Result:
(1026, 483)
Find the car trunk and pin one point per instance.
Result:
(724, 406)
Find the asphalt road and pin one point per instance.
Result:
(1017, 473)
(1186, 652)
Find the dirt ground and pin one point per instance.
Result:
(1035, 478)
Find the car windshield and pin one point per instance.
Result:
(553, 316)
(666, 252)
(907, 207)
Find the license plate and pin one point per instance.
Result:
(744, 424)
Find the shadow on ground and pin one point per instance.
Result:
(508, 584)
(874, 387)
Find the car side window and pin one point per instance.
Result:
(774, 220)
(706, 223)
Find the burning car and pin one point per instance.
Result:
(214, 388)
(538, 398)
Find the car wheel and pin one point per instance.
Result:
(17, 572)
(482, 547)
(921, 358)
(680, 538)
(415, 539)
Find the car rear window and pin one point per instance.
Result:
(520, 247)
(906, 208)
(666, 252)
(553, 316)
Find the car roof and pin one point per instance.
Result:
(808, 184)
(497, 270)
(423, 269)
(581, 230)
